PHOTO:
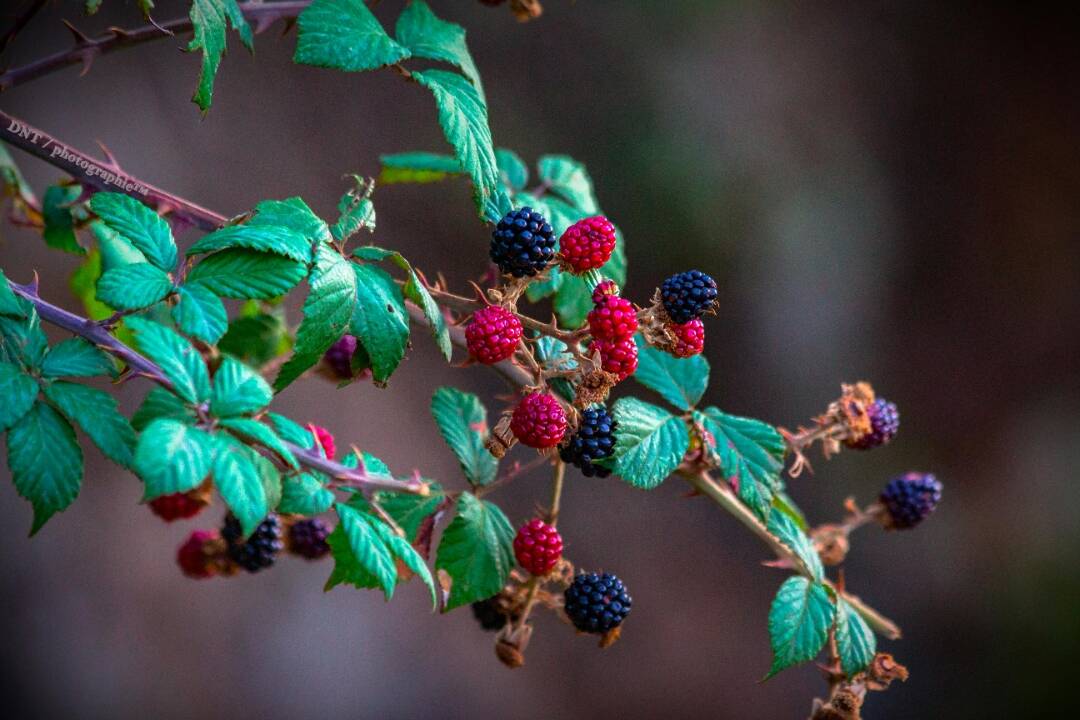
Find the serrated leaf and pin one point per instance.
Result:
(512, 169)
(462, 421)
(405, 552)
(799, 622)
(292, 213)
(464, 120)
(367, 547)
(372, 464)
(75, 357)
(681, 381)
(263, 435)
(21, 338)
(95, 411)
(751, 456)
(18, 391)
(782, 502)
(256, 339)
(139, 225)
(116, 250)
(176, 357)
(262, 238)
(248, 275)
(200, 313)
(327, 312)
(792, 536)
(238, 479)
(160, 403)
(291, 431)
(568, 178)
(475, 551)
(270, 477)
(45, 461)
(305, 494)
(379, 320)
(555, 355)
(238, 390)
(344, 35)
(428, 36)
(410, 511)
(9, 304)
(172, 457)
(59, 230)
(83, 283)
(133, 287)
(209, 19)
(649, 444)
(417, 167)
(855, 641)
(356, 211)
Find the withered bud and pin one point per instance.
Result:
(510, 645)
(831, 543)
(610, 637)
(883, 670)
(501, 439)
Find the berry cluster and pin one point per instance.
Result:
(195, 557)
(688, 295)
(259, 550)
(307, 538)
(620, 358)
(612, 318)
(910, 498)
(538, 547)
(325, 440)
(587, 244)
(884, 424)
(597, 603)
(493, 334)
(522, 243)
(538, 421)
(177, 506)
(594, 440)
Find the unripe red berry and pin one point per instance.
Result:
(493, 334)
(613, 318)
(538, 421)
(192, 557)
(176, 506)
(604, 288)
(619, 358)
(538, 547)
(689, 338)
(325, 440)
(588, 243)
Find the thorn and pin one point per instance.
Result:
(153, 22)
(34, 283)
(87, 61)
(81, 40)
(110, 159)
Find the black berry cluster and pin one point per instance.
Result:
(597, 603)
(307, 538)
(594, 440)
(909, 498)
(258, 551)
(884, 423)
(688, 295)
(522, 243)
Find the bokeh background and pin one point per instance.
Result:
(883, 190)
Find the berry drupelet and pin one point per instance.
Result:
(594, 440)
(612, 318)
(619, 358)
(522, 243)
(884, 423)
(909, 498)
(689, 338)
(176, 506)
(538, 547)
(307, 538)
(597, 603)
(538, 421)
(259, 550)
(587, 244)
(493, 334)
(688, 295)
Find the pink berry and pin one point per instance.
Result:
(325, 440)
(619, 358)
(493, 334)
(588, 243)
(192, 557)
(538, 547)
(176, 506)
(538, 421)
(613, 318)
(689, 338)
(604, 288)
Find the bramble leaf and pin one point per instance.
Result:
(291, 431)
(410, 511)
(176, 357)
(854, 639)
(9, 304)
(248, 275)
(238, 477)
(791, 535)
(59, 231)
(305, 494)
(95, 411)
(262, 238)
(799, 622)
(405, 552)
(200, 313)
(475, 551)
(160, 403)
(568, 178)
(133, 287)
(256, 339)
(379, 320)
(681, 381)
(75, 357)
(263, 435)
(462, 421)
(356, 211)
(292, 213)
(417, 167)
(18, 391)
(367, 549)
(21, 338)
(139, 225)
(238, 390)
(45, 461)
(751, 456)
(209, 19)
(650, 443)
(344, 35)
(513, 171)
(172, 457)
(431, 37)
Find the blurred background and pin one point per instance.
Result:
(884, 191)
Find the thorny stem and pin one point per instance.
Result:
(141, 365)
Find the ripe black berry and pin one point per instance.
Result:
(522, 243)
(688, 295)
(884, 423)
(258, 551)
(594, 440)
(307, 538)
(909, 498)
(597, 603)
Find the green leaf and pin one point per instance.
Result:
(172, 457)
(512, 169)
(176, 357)
(256, 339)
(75, 357)
(356, 211)
(208, 19)
(650, 442)
(327, 311)
(83, 283)
(367, 547)
(555, 355)
(854, 639)
(751, 456)
(239, 481)
(372, 464)
(270, 478)
(92, 6)
(18, 391)
(569, 179)
(139, 225)
(782, 502)
(791, 535)
(133, 287)
(417, 167)
(799, 622)
(200, 313)
(263, 435)
(283, 241)
(292, 213)
(305, 494)
(681, 381)
(475, 551)
(21, 338)
(45, 461)
(95, 411)
(9, 304)
(462, 420)
(401, 548)
(291, 431)
(464, 120)
(430, 37)
(379, 320)
(410, 511)
(59, 232)
(160, 403)
(246, 274)
(344, 35)
(116, 250)
(238, 390)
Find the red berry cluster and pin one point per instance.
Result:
(587, 244)
(177, 506)
(194, 556)
(689, 338)
(619, 358)
(493, 334)
(538, 421)
(612, 318)
(325, 440)
(538, 547)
